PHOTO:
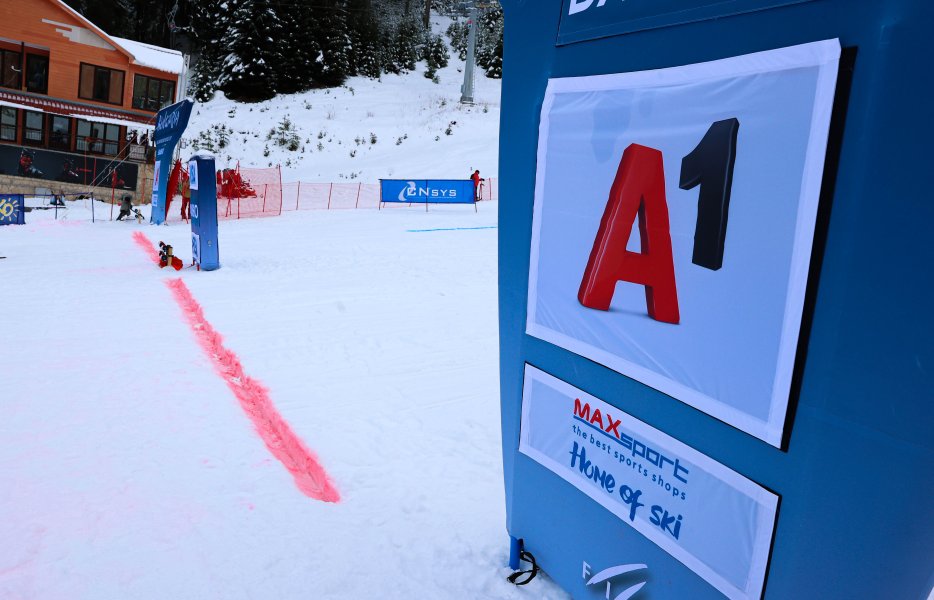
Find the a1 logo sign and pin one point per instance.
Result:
(638, 191)
(194, 211)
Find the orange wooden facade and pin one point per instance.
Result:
(47, 28)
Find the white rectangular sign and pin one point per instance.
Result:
(193, 175)
(715, 521)
(673, 223)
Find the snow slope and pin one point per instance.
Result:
(129, 470)
(419, 127)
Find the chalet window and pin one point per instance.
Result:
(11, 69)
(60, 133)
(98, 138)
(8, 124)
(152, 94)
(103, 85)
(37, 73)
(34, 128)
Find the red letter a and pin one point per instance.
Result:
(639, 189)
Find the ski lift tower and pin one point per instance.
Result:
(467, 88)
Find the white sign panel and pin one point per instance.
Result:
(715, 521)
(193, 175)
(195, 246)
(155, 184)
(673, 223)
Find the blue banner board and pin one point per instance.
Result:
(203, 212)
(170, 124)
(687, 298)
(430, 191)
(12, 209)
(589, 19)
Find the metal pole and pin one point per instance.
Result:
(297, 194)
(265, 187)
(357, 203)
(331, 189)
(281, 190)
(467, 88)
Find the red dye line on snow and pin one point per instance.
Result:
(309, 476)
(143, 242)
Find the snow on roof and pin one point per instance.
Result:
(147, 55)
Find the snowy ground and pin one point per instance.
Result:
(402, 126)
(128, 469)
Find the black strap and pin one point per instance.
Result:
(527, 557)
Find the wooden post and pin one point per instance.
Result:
(298, 193)
(281, 199)
(265, 187)
(113, 190)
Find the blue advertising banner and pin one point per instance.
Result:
(203, 210)
(589, 19)
(170, 124)
(12, 209)
(713, 520)
(431, 191)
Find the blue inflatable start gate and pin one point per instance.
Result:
(715, 297)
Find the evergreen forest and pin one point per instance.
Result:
(255, 49)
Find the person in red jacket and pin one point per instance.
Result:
(477, 184)
(186, 195)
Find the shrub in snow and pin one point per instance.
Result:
(286, 136)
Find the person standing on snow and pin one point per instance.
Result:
(477, 180)
(186, 195)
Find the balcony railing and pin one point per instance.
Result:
(97, 146)
(137, 152)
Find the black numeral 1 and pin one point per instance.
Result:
(710, 164)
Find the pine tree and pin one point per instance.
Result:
(457, 32)
(248, 71)
(405, 48)
(299, 48)
(436, 55)
(366, 51)
(334, 63)
(207, 30)
(490, 42)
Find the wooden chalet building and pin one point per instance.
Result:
(76, 105)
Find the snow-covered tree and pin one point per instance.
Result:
(299, 47)
(249, 69)
(490, 42)
(366, 50)
(334, 64)
(404, 48)
(207, 30)
(436, 55)
(457, 33)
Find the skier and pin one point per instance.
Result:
(477, 184)
(126, 207)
